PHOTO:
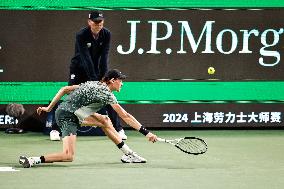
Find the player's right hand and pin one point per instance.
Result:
(42, 109)
(151, 137)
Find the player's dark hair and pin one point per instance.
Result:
(106, 80)
(115, 74)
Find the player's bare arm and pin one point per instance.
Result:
(131, 121)
(57, 97)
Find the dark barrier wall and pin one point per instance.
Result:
(148, 45)
(28, 121)
(174, 116)
(209, 115)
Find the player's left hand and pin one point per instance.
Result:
(42, 109)
(151, 137)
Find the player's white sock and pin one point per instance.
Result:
(37, 160)
(124, 148)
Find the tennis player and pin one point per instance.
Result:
(79, 108)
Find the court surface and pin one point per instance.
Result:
(235, 159)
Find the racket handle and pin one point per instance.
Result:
(161, 139)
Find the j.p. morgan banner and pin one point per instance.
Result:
(149, 45)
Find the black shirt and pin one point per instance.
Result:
(91, 54)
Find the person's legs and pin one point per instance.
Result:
(105, 123)
(68, 124)
(113, 117)
(115, 121)
(68, 153)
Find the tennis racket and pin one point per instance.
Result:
(189, 145)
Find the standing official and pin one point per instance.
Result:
(90, 62)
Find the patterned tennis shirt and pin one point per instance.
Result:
(89, 98)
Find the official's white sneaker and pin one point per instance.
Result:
(122, 134)
(54, 135)
(26, 162)
(133, 158)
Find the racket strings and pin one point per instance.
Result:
(193, 146)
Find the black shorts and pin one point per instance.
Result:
(77, 76)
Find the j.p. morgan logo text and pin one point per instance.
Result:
(241, 39)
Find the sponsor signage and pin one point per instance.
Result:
(209, 115)
(149, 45)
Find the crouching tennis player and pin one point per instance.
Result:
(79, 108)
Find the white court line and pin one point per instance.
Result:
(7, 169)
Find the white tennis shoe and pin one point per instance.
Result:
(133, 158)
(54, 135)
(26, 162)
